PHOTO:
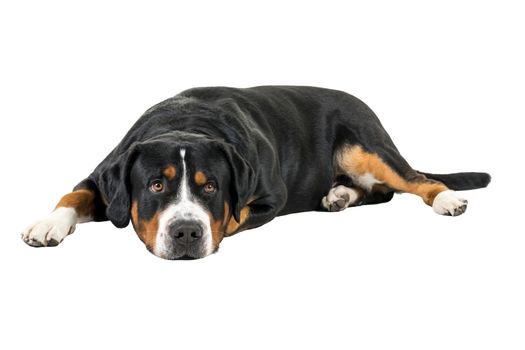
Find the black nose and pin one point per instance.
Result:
(186, 232)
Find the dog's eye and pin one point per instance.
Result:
(209, 187)
(156, 186)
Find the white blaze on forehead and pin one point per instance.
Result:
(184, 207)
(183, 194)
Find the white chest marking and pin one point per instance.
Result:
(365, 181)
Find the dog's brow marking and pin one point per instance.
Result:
(200, 179)
(170, 172)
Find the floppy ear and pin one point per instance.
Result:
(114, 185)
(243, 180)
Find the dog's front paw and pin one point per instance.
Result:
(447, 203)
(51, 230)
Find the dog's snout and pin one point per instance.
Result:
(186, 232)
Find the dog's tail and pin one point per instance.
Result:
(461, 181)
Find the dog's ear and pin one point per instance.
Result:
(243, 180)
(114, 184)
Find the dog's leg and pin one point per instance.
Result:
(75, 207)
(369, 170)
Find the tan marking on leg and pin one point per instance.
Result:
(200, 178)
(170, 172)
(146, 229)
(353, 160)
(83, 201)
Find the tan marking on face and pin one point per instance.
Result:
(233, 225)
(200, 178)
(146, 229)
(83, 201)
(218, 227)
(170, 172)
(353, 160)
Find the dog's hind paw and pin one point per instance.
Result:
(340, 198)
(447, 203)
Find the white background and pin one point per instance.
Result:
(446, 79)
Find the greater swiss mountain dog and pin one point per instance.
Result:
(211, 162)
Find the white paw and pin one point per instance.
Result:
(447, 203)
(51, 230)
(339, 198)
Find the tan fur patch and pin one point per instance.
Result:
(353, 160)
(233, 225)
(146, 229)
(170, 172)
(83, 201)
(200, 178)
(218, 226)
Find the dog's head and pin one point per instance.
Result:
(182, 194)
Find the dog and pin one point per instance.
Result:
(211, 162)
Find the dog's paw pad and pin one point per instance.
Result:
(50, 231)
(340, 203)
(447, 203)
